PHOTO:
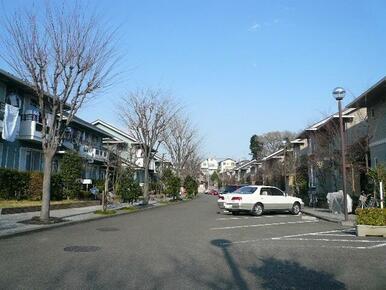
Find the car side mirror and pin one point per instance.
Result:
(264, 193)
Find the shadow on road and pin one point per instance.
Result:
(238, 279)
(282, 274)
(277, 274)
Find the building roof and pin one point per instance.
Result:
(370, 96)
(246, 164)
(226, 160)
(320, 124)
(119, 131)
(274, 155)
(8, 77)
(90, 126)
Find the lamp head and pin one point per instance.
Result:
(339, 93)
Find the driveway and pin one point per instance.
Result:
(191, 246)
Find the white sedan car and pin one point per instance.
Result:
(259, 198)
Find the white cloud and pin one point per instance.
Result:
(257, 26)
(254, 27)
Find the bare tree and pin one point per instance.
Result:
(181, 142)
(273, 141)
(147, 114)
(193, 165)
(66, 57)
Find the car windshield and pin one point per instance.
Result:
(245, 190)
(230, 189)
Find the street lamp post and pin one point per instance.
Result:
(284, 142)
(339, 94)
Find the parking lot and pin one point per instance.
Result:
(191, 246)
(284, 229)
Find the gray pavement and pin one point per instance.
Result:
(190, 246)
(10, 223)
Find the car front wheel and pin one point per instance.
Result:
(295, 208)
(257, 209)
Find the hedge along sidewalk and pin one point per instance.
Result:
(10, 226)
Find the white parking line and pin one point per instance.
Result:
(254, 217)
(313, 238)
(312, 234)
(325, 240)
(262, 225)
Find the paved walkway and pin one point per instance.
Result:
(326, 214)
(10, 223)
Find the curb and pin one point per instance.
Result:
(321, 217)
(337, 221)
(69, 223)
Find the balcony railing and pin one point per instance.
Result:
(93, 153)
(31, 127)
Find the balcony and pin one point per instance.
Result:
(139, 163)
(30, 127)
(92, 153)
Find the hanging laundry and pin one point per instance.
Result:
(11, 123)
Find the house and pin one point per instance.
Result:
(373, 101)
(25, 153)
(273, 171)
(226, 165)
(324, 151)
(130, 150)
(294, 165)
(209, 166)
(249, 172)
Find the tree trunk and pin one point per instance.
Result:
(45, 210)
(104, 195)
(146, 184)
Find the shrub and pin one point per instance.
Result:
(371, 216)
(56, 187)
(27, 185)
(13, 184)
(171, 183)
(71, 172)
(127, 187)
(35, 186)
(191, 186)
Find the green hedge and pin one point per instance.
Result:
(27, 185)
(371, 216)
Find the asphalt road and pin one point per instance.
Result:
(191, 246)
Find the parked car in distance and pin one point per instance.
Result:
(213, 192)
(257, 199)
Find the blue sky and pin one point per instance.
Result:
(243, 67)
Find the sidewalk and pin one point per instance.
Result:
(10, 223)
(325, 214)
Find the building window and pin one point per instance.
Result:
(31, 160)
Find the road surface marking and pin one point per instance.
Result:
(262, 225)
(326, 240)
(312, 237)
(312, 234)
(250, 217)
